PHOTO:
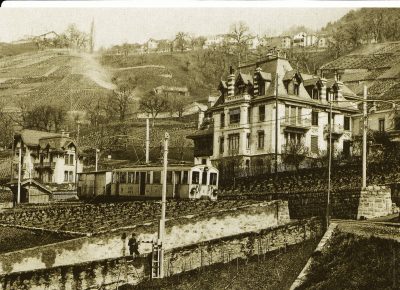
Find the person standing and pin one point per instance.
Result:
(133, 245)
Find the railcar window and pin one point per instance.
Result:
(195, 177)
(131, 177)
(169, 177)
(185, 177)
(156, 177)
(122, 177)
(178, 177)
(137, 179)
(204, 178)
(213, 178)
(148, 177)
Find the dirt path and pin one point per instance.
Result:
(369, 228)
(136, 67)
(88, 65)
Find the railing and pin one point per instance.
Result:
(292, 122)
(244, 97)
(336, 129)
(50, 165)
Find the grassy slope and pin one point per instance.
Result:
(196, 70)
(277, 271)
(356, 263)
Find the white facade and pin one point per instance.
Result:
(244, 122)
(47, 164)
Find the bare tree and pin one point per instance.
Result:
(153, 104)
(6, 126)
(181, 41)
(177, 104)
(239, 34)
(294, 154)
(121, 99)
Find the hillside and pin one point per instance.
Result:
(199, 70)
(52, 77)
(374, 65)
(10, 49)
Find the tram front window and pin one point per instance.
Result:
(213, 178)
(195, 177)
(204, 178)
(185, 177)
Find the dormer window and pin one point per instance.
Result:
(261, 87)
(296, 88)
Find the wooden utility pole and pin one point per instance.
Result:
(276, 124)
(76, 158)
(147, 141)
(19, 173)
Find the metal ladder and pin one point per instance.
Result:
(157, 261)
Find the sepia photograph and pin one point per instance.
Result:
(206, 145)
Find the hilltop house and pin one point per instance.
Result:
(241, 123)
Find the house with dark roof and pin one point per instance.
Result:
(376, 66)
(241, 123)
(49, 158)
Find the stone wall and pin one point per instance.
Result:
(344, 203)
(180, 232)
(110, 272)
(375, 201)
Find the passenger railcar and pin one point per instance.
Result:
(186, 182)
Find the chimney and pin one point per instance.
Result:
(255, 82)
(231, 82)
(201, 118)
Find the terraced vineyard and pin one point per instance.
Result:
(57, 76)
(92, 218)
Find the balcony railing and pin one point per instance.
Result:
(337, 129)
(43, 165)
(238, 97)
(296, 123)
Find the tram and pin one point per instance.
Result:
(183, 182)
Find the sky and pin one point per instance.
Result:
(119, 25)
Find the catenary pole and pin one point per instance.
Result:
(364, 151)
(328, 201)
(161, 229)
(97, 159)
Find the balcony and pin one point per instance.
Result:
(337, 129)
(292, 124)
(45, 165)
(239, 97)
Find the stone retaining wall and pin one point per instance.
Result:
(375, 201)
(112, 272)
(180, 232)
(344, 204)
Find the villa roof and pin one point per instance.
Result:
(45, 139)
